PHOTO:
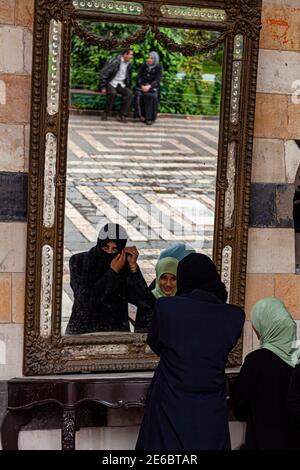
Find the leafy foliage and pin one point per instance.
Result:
(182, 90)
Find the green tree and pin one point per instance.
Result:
(182, 89)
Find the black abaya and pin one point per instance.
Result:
(147, 103)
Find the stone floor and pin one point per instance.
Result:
(158, 182)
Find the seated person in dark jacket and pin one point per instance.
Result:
(116, 78)
(165, 286)
(147, 91)
(192, 333)
(259, 393)
(104, 280)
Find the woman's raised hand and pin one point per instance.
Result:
(118, 262)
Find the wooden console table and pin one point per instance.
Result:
(25, 394)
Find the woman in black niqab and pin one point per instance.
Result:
(101, 294)
(100, 260)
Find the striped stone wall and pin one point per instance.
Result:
(271, 253)
(16, 19)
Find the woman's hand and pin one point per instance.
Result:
(118, 262)
(132, 256)
(145, 88)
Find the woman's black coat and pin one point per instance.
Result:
(150, 76)
(259, 398)
(144, 314)
(187, 409)
(101, 295)
(293, 398)
(146, 104)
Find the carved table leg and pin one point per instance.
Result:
(11, 425)
(68, 430)
(77, 421)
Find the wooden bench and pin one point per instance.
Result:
(80, 91)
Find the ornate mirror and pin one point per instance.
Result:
(180, 175)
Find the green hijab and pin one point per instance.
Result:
(277, 329)
(164, 266)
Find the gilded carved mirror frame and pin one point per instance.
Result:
(238, 25)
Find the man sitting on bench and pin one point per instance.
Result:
(116, 78)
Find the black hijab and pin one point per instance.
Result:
(99, 259)
(197, 271)
(112, 233)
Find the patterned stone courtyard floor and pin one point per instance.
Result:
(158, 181)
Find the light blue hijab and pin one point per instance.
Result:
(155, 57)
(178, 251)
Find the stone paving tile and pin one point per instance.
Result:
(175, 158)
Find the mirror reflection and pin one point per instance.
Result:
(142, 160)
